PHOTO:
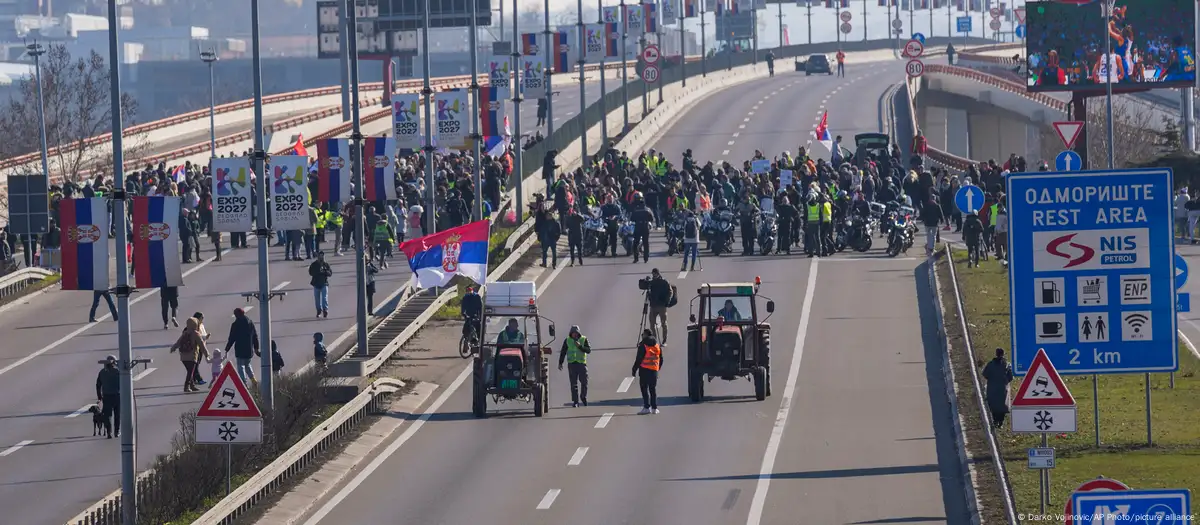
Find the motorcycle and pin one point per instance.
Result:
(768, 232)
(675, 233)
(901, 233)
(625, 233)
(720, 234)
(860, 230)
(594, 234)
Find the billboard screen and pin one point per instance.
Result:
(1153, 44)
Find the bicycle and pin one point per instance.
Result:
(469, 340)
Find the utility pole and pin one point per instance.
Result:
(703, 43)
(780, 5)
(430, 118)
(518, 90)
(36, 51)
(473, 38)
(547, 73)
(682, 47)
(624, 65)
(582, 43)
(344, 37)
(603, 88)
(262, 229)
(210, 57)
(662, 50)
(360, 205)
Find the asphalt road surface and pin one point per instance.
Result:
(858, 430)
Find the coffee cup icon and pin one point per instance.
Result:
(1052, 329)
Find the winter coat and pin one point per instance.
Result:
(998, 375)
(190, 344)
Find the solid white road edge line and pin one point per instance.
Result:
(85, 327)
(577, 457)
(391, 449)
(625, 384)
(785, 406)
(548, 499)
(144, 373)
(605, 419)
(15, 448)
(79, 412)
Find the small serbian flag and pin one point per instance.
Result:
(435, 259)
(491, 111)
(562, 50)
(529, 44)
(822, 131)
(299, 148)
(379, 169)
(333, 172)
(156, 242)
(689, 8)
(84, 234)
(612, 43)
(179, 174)
(651, 17)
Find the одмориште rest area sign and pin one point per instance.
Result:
(1091, 273)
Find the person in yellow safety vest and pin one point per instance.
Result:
(383, 239)
(646, 366)
(812, 228)
(575, 350)
(333, 221)
(826, 226)
(320, 227)
(677, 201)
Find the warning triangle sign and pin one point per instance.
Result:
(1067, 132)
(228, 397)
(1042, 386)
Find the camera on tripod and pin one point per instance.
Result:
(644, 283)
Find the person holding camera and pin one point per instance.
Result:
(660, 294)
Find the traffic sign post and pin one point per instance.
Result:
(1183, 301)
(650, 74)
(1020, 31)
(964, 24)
(1068, 160)
(1167, 506)
(228, 416)
(1020, 13)
(845, 16)
(969, 199)
(919, 37)
(1091, 262)
(650, 55)
(1043, 405)
(914, 48)
(914, 68)
(846, 27)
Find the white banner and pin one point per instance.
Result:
(670, 12)
(453, 113)
(534, 73)
(406, 120)
(635, 19)
(499, 71)
(230, 179)
(594, 43)
(612, 14)
(289, 192)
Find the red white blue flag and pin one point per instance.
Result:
(689, 8)
(651, 17)
(379, 169)
(435, 259)
(84, 233)
(822, 131)
(156, 242)
(333, 171)
(612, 40)
(529, 44)
(562, 53)
(491, 111)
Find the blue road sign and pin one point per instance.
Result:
(1183, 302)
(1021, 31)
(1092, 270)
(964, 24)
(1157, 507)
(1181, 271)
(969, 199)
(1068, 161)
(919, 37)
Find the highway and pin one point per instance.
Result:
(858, 430)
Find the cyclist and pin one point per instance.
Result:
(472, 310)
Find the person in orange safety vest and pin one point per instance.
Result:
(646, 366)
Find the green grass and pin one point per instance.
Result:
(1172, 462)
(33, 288)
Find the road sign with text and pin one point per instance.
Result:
(915, 68)
(1159, 507)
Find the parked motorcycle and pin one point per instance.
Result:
(720, 234)
(593, 234)
(675, 234)
(859, 233)
(768, 232)
(901, 233)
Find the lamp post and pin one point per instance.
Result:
(210, 57)
(36, 51)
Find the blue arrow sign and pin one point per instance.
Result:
(1021, 31)
(969, 199)
(919, 37)
(1181, 271)
(964, 24)
(1068, 161)
(1156, 507)
(1092, 270)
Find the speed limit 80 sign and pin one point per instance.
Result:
(914, 68)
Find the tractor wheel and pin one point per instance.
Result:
(539, 397)
(768, 374)
(696, 387)
(760, 383)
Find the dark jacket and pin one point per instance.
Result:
(472, 305)
(972, 229)
(998, 375)
(931, 214)
(243, 338)
(660, 292)
(320, 273)
(108, 382)
(641, 354)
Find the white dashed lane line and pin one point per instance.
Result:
(604, 420)
(726, 152)
(15, 448)
(731, 143)
(577, 457)
(628, 381)
(82, 410)
(548, 499)
(144, 373)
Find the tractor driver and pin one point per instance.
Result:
(511, 335)
(730, 312)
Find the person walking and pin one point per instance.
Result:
(168, 300)
(108, 394)
(199, 317)
(191, 348)
(243, 339)
(998, 374)
(320, 272)
(276, 359)
(646, 365)
(691, 241)
(107, 296)
(575, 350)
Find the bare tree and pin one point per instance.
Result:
(1134, 134)
(77, 108)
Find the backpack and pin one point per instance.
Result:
(690, 230)
(674, 297)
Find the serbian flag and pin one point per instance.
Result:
(156, 242)
(435, 259)
(379, 169)
(822, 131)
(612, 44)
(299, 148)
(651, 17)
(84, 243)
(179, 174)
(689, 8)
(333, 172)
(497, 145)
(491, 111)
(529, 44)
(561, 55)
(960, 6)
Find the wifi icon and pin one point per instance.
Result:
(1137, 326)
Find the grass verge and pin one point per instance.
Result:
(1173, 461)
(33, 288)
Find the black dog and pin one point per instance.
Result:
(100, 423)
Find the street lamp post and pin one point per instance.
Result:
(36, 51)
(209, 57)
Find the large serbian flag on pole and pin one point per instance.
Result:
(156, 242)
(435, 259)
(333, 170)
(380, 169)
(84, 234)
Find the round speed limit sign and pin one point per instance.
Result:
(650, 74)
(914, 68)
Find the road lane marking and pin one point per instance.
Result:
(750, 113)
(682, 274)
(737, 134)
(730, 143)
(87, 326)
(144, 373)
(77, 413)
(548, 499)
(747, 119)
(577, 457)
(15, 448)
(604, 420)
(785, 406)
(741, 126)
(280, 286)
(625, 384)
(391, 449)
(726, 152)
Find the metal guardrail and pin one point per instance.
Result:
(16, 282)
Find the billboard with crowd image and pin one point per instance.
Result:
(1153, 44)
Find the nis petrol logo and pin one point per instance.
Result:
(1091, 249)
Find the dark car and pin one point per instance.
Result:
(817, 64)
